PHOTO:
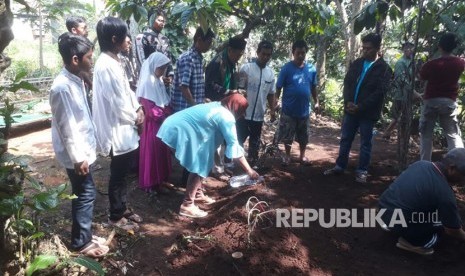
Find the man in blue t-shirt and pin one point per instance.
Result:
(421, 204)
(298, 79)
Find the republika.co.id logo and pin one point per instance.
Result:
(343, 218)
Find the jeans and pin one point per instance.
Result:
(253, 130)
(82, 208)
(446, 110)
(117, 186)
(350, 125)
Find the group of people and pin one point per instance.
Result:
(204, 117)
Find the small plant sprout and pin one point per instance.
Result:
(257, 212)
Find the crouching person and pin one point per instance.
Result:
(194, 134)
(420, 205)
(74, 142)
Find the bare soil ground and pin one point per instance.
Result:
(168, 244)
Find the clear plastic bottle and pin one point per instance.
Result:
(243, 180)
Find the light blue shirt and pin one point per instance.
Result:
(366, 67)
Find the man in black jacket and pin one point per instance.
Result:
(365, 85)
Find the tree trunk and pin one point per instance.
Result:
(347, 14)
(405, 122)
(321, 61)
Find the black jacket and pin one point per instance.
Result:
(372, 90)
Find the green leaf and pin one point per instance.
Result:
(36, 236)
(20, 75)
(41, 262)
(186, 16)
(11, 206)
(359, 24)
(23, 85)
(45, 201)
(90, 264)
(179, 8)
(426, 25)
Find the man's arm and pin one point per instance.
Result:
(186, 93)
(316, 101)
(272, 104)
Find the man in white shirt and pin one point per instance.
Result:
(73, 137)
(117, 116)
(259, 82)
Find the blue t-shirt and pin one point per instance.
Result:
(296, 83)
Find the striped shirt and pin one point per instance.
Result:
(189, 72)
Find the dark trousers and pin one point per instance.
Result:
(117, 187)
(253, 130)
(350, 125)
(425, 234)
(82, 208)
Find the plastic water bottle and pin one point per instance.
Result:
(243, 180)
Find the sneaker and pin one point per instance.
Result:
(361, 177)
(404, 244)
(334, 171)
(205, 199)
(192, 212)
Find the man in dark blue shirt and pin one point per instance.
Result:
(420, 204)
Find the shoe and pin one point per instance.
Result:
(286, 160)
(94, 250)
(124, 224)
(361, 177)
(404, 244)
(205, 199)
(192, 212)
(334, 171)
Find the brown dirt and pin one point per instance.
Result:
(168, 244)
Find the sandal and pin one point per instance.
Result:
(94, 250)
(305, 162)
(130, 215)
(124, 224)
(192, 212)
(99, 240)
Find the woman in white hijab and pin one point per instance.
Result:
(155, 156)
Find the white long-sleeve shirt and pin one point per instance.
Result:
(259, 83)
(114, 108)
(73, 132)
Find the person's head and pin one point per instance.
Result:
(371, 44)
(157, 20)
(203, 40)
(236, 47)
(264, 52)
(111, 34)
(76, 52)
(454, 161)
(236, 103)
(157, 64)
(127, 45)
(299, 51)
(407, 49)
(77, 25)
(448, 42)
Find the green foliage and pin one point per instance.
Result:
(42, 262)
(331, 99)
